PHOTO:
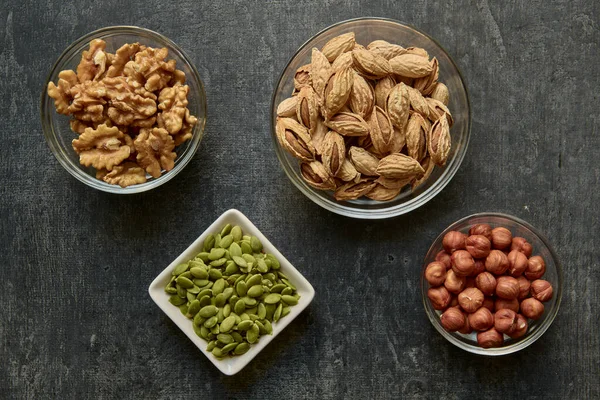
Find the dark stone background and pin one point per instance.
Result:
(75, 317)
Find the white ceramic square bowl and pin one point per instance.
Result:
(230, 365)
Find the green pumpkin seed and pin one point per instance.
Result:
(180, 269)
(235, 250)
(201, 282)
(261, 266)
(217, 352)
(205, 301)
(256, 244)
(193, 308)
(281, 275)
(246, 248)
(288, 283)
(249, 258)
(220, 316)
(216, 254)
(250, 302)
(208, 311)
(242, 348)
(245, 325)
(268, 327)
(171, 290)
(231, 268)
(196, 264)
(215, 274)
(198, 319)
(224, 338)
(220, 300)
(226, 229)
(244, 317)
(270, 311)
(205, 292)
(237, 337)
(181, 292)
(285, 311)
(228, 292)
(254, 280)
(274, 262)
(290, 300)
(190, 296)
(198, 331)
(255, 291)
(252, 334)
(240, 261)
(228, 347)
(184, 282)
(210, 322)
(287, 291)
(217, 240)
(219, 286)
(262, 311)
(176, 300)
(203, 256)
(194, 290)
(277, 288)
(211, 345)
(226, 241)
(218, 263)
(227, 324)
(215, 329)
(233, 300)
(209, 242)
(226, 310)
(277, 313)
(236, 232)
(261, 328)
(199, 272)
(241, 288)
(238, 319)
(253, 317)
(273, 298)
(183, 309)
(239, 307)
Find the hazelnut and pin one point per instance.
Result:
(500, 304)
(479, 267)
(524, 286)
(435, 273)
(462, 263)
(491, 338)
(522, 245)
(505, 321)
(532, 308)
(478, 245)
(453, 319)
(488, 302)
(453, 241)
(444, 258)
(536, 267)
(501, 238)
(481, 229)
(470, 299)
(496, 262)
(481, 320)
(507, 287)
(439, 296)
(517, 263)
(520, 329)
(486, 283)
(466, 329)
(454, 283)
(541, 290)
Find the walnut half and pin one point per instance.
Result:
(155, 150)
(101, 148)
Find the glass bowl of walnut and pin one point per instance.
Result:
(123, 109)
(370, 118)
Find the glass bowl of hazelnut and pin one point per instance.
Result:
(491, 284)
(123, 109)
(360, 128)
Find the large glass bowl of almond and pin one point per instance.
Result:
(123, 109)
(370, 118)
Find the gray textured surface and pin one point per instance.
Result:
(75, 317)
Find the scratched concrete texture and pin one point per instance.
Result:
(76, 321)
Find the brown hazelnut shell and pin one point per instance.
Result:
(481, 320)
(444, 258)
(490, 338)
(478, 246)
(521, 244)
(462, 263)
(536, 268)
(517, 263)
(501, 238)
(521, 327)
(470, 299)
(505, 321)
(454, 283)
(507, 287)
(439, 297)
(513, 304)
(532, 308)
(479, 267)
(481, 229)
(453, 240)
(435, 273)
(496, 262)
(466, 329)
(541, 290)
(486, 282)
(524, 287)
(452, 319)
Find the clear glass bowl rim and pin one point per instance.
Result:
(399, 209)
(527, 340)
(59, 152)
